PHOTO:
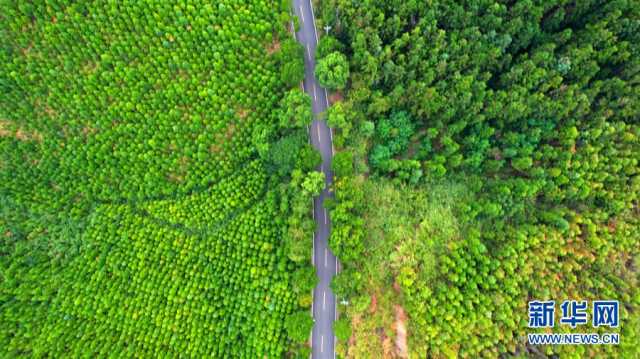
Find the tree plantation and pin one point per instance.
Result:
(154, 176)
(492, 159)
(157, 178)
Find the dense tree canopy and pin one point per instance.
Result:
(332, 71)
(295, 110)
(327, 45)
(147, 158)
(533, 105)
(299, 326)
(291, 59)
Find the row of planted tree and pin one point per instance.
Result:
(156, 180)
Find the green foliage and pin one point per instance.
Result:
(284, 153)
(299, 326)
(139, 273)
(342, 164)
(342, 329)
(347, 283)
(392, 138)
(309, 158)
(533, 105)
(291, 61)
(327, 45)
(137, 214)
(304, 352)
(298, 239)
(395, 131)
(380, 157)
(102, 121)
(304, 279)
(295, 110)
(347, 235)
(337, 117)
(313, 183)
(332, 71)
(367, 129)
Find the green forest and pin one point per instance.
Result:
(488, 156)
(155, 180)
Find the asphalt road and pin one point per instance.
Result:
(324, 302)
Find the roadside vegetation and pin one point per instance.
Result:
(488, 155)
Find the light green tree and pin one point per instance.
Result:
(333, 71)
(313, 183)
(299, 326)
(295, 110)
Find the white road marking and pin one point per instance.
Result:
(324, 300)
(313, 255)
(313, 16)
(331, 135)
(325, 257)
(315, 30)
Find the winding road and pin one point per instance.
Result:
(324, 302)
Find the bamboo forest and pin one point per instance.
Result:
(163, 167)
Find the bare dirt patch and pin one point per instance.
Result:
(20, 134)
(386, 344)
(88, 68)
(89, 130)
(25, 51)
(336, 96)
(374, 304)
(215, 148)
(355, 322)
(396, 287)
(242, 113)
(222, 137)
(175, 178)
(4, 132)
(49, 111)
(274, 46)
(179, 174)
(399, 326)
(231, 129)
